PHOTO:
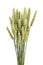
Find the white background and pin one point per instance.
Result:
(34, 53)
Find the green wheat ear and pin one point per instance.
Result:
(33, 19)
(20, 28)
(10, 33)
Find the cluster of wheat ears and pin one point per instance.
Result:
(20, 28)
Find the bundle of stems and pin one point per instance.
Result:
(20, 27)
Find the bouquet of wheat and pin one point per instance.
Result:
(20, 28)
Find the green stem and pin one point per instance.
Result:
(21, 55)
